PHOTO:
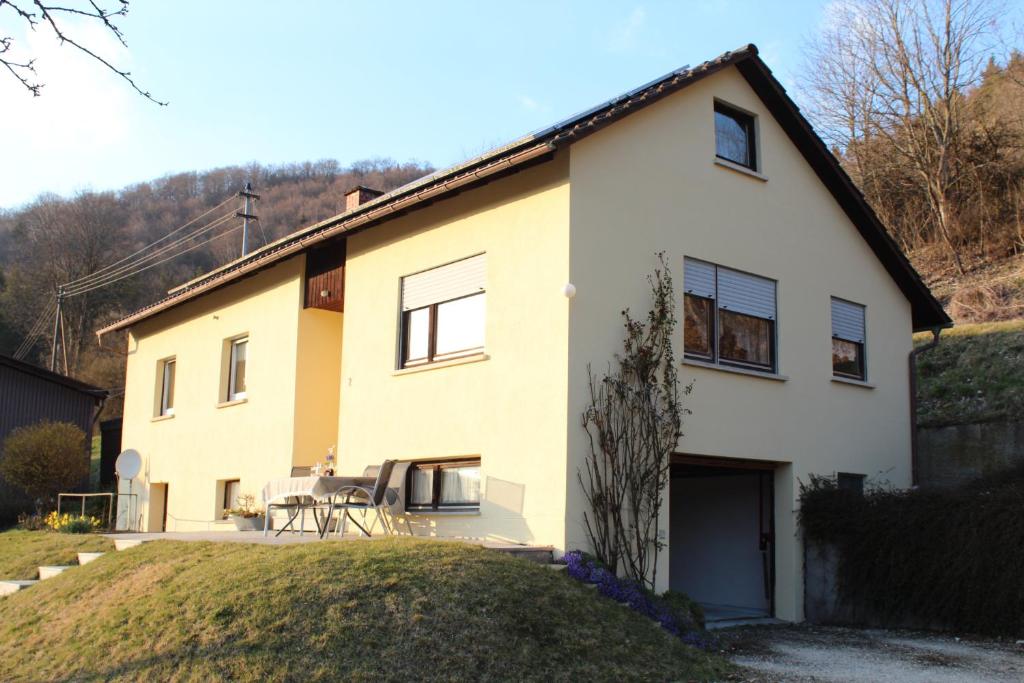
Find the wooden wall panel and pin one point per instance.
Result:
(325, 272)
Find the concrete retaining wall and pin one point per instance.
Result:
(948, 456)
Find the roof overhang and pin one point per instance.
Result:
(541, 146)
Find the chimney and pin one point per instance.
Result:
(360, 194)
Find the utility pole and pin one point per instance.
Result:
(58, 326)
(246, 215)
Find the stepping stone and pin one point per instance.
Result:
(51, 571)
(13, 586)
(557, 567)
(125, 543)
(86, 558)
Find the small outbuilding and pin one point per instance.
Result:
(30, 394)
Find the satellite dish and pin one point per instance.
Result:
(128, 464)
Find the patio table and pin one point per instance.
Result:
(319, 489)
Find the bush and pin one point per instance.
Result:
(45, 459)
(73, 524)
(948, 558)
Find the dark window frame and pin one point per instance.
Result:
(850, 481)
(739, 363)
(712, 329)
(861, 362)
(716, 327)
(432, 355)
(228, 504)
(748, 122)
(435, 498)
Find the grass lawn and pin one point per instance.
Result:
(976, 374)
(394, 609)
(22, 552)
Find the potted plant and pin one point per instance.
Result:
(246, 516)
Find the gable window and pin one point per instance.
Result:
(729, 316)
(735, 136)
(444, 312)
(453, 484)
(166, 401)
(848, 339)
(237, 368)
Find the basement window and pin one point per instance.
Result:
(444, 485)
(735, 138)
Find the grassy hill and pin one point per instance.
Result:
(22, 552)
(394, 609)
(976, 374)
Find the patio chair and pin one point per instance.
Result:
(364, 499)
(297, 506)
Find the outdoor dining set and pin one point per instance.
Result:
(323, 496)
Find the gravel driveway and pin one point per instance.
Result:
(816, 653)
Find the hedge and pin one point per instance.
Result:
(950, 558)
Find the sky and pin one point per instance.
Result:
(277, 82)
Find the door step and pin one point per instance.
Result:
(15, 585)
(86, 558)
(126, 543)
(50, 571)
(747, 621)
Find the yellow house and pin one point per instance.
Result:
(434, 325)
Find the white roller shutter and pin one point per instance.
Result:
(848, 321)
(699, 278)
(748, 294)
(444, 283)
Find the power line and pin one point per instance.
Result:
(132, 268)
(153, 265)
(153, 244)
(33, 334)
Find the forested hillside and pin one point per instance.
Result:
(56, 240)
(923, 107)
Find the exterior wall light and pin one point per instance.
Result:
(569, 290)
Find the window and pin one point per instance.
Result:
(728, 316)
(231, 493)
(444, 312)
(166, 403)
(734, 136)
(850, 482)
(236, 369)
(848, 339)
(453, 484)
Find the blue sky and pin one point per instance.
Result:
(276, 82)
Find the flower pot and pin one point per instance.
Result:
(247, 523)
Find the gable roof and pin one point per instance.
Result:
(540, 146)
(54, 377)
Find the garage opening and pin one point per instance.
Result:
(721, 550)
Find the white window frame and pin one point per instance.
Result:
(166, 410)
(232, 367)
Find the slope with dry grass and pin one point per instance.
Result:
(975, 374)
(394, 609)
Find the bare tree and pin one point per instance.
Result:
(34, 14)
(899, 71)
(634, 421)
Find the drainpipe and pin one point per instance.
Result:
(912, 360)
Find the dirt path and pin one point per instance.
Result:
(810, 653)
